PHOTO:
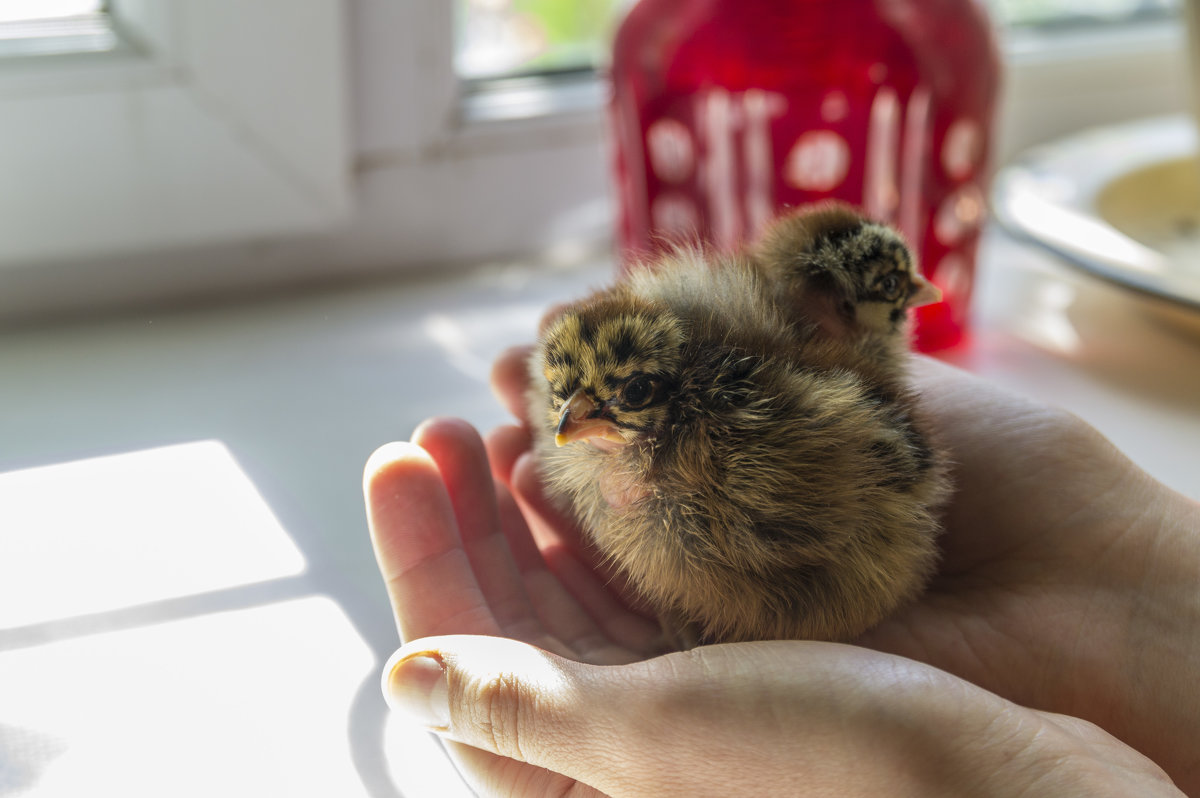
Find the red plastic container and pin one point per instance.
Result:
(724, 112)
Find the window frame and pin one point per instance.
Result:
(476, 146)
(164, 141)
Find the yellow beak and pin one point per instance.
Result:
(922, 292)
(580, 421)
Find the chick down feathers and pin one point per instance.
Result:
(738, 439)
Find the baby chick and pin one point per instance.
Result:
(853, 275)
(734, 433)
(850, 279)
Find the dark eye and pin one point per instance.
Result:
(890, 286)
(637, 391)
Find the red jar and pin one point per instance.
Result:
(724, 112)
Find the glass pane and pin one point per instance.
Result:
(502, 38)
(24, 10)
(54, 27)
(1028, 13)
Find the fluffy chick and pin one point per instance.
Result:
(757, 470)
(850, 280)
(853, 276)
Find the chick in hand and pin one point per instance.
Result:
(734, 432)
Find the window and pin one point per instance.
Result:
(501, 38)
(34, 10)
(356, 136)
(54, 27)
(1075, 62)
(1068, 13)
(523, 81)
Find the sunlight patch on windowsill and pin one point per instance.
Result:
(252, 702)
(107, 533)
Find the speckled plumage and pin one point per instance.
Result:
(735, 434)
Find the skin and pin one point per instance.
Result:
(1056, 653)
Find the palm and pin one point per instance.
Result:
(1024, 543)
(1015, 532)
(1023, 604)
(478, 569)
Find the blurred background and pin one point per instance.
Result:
(172, 149)
(244, 244)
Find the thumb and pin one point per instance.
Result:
(740, 718)
(669, 725)
(496, 694)
(455, 685)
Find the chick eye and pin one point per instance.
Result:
(637, 391)
(890, 286)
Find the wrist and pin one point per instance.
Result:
(1161, 714)
(1023, 753)
(1128, 656)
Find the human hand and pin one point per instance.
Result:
(755, 717)
(458, 557)
(1068, 577)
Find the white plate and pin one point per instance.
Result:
(1122, 203)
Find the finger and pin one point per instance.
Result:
(776, 709)
(510, 372)
(510, 380)
(951, 395)
(429, 579)
(550, 525)
(460, 456)
(458, 451)
(511, 458)
(509, 700)
(602, 594)
(491, 774)
(552, 313)
(504, 445)
(563, 626)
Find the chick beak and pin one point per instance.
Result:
(922, 292)
(581, 420)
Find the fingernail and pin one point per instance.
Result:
(416, 687)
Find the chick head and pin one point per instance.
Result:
(867, 265)
(611, 365)
(882, 270)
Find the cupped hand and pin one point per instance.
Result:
(544, 682)
(1068, 578)
(458, 557)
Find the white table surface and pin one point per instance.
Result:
(188, 600)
